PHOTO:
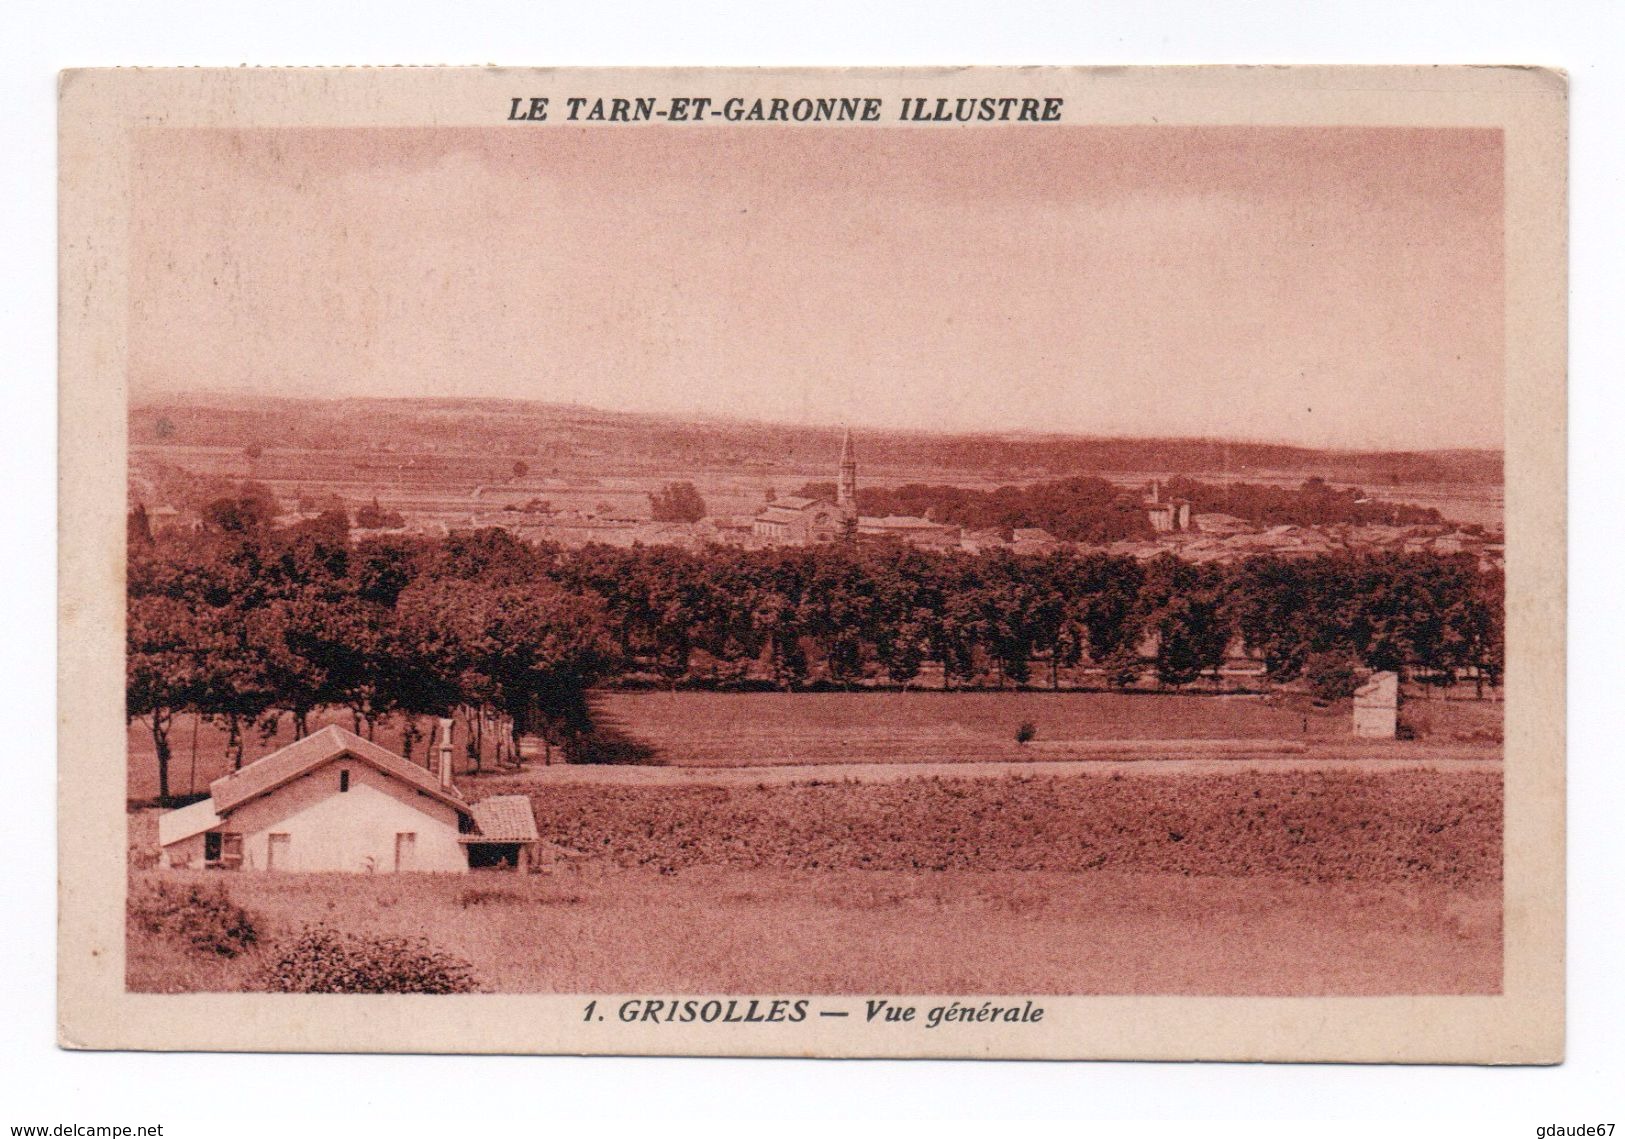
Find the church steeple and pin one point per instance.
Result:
(846, 488)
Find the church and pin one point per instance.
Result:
(805, 521)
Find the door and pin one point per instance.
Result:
(279, 852)
(406, 844)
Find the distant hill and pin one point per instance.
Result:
(566, 435)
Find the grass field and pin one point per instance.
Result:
(708, 729)
(1245, 883)
(963, 932)
(726, 729)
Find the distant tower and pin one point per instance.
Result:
(846, 489)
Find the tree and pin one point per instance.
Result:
(289, 636)
(528, 651)
(1107, 603)
(1271, 600)
(1011, 626)
(249, 511)
(233, 687)
(371, 516)
(160, 677)
(837, 608)
(1122, 666)
(1482, 620)
(677, 502)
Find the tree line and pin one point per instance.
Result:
(1087, 509)
(245, 624)
(1315, 503)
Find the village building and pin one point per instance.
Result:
(920, 532)
(1222, 524)
(1033, 540)
(794, 520)
(336, 802)
(981, 541)
(1169, 516)
(805, 521)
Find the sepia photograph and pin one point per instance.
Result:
(805, 559)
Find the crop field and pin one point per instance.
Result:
(1307, 826)
(1251, 883)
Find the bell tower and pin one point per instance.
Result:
(846, 487)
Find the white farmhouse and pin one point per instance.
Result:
(336, 802)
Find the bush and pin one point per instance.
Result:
(1026, 732)
(323, 960)
(1331, 676)
(205, 918)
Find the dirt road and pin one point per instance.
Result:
(1178, 759)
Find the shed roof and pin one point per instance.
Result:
(301, 756)
(503, 818)
(184, 822)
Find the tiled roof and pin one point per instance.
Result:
(900, 522)
(503, 818)
(289, 763)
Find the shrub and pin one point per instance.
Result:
(205, 918)
(1331, 676)
(1027, 731)
(323, 960)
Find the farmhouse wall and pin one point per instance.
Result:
(349, 831)
(187, 852)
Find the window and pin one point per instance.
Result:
(231, 850)
(211, 846)
(344, 780)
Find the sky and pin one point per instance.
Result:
(1336, 287)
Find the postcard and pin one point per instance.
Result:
(981, 563)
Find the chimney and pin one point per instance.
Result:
(445, 753)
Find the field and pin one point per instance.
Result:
(1248, 882)
(452, 461)
(700, 729)
(703, 729)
